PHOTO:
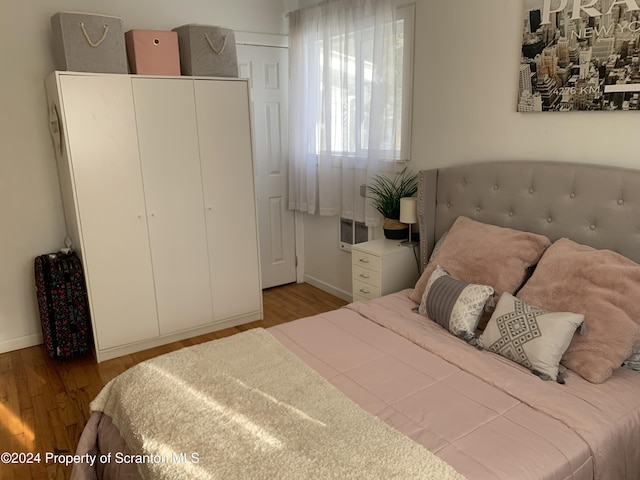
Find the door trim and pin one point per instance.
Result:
(262, 39)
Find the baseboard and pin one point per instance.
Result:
(325, 287)
(22, 342)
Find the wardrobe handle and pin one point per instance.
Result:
(362, 275)
(363, 260)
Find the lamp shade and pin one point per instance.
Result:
(409, 210)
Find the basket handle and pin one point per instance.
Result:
(215, 50)
(86, 35)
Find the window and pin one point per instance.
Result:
(350, 102)
(351, 60)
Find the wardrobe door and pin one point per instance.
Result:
(227, 169)
(167, 133)
(103, 150)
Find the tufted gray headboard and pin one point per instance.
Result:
(593, 205)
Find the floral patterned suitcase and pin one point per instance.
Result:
(63, 306)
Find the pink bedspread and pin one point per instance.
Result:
(486, 416)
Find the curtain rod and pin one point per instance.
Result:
(327, 2)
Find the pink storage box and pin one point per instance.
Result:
(153, 52)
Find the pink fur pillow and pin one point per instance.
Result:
(485, 254)
(602, 285)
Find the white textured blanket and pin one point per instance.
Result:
(245, 407)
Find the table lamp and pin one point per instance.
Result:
(409, 215)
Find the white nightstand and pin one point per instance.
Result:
(380, 267)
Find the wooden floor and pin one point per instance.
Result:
(44, 403)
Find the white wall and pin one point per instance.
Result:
(464, 110)
(325, 265)
(30, 205)
(465, 96)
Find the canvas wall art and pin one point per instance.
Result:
(580, 55)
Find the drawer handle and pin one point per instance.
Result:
(362, 275)
(365, 291)
(363, 260)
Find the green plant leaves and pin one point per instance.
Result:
(386, 192)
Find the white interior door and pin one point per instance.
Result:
(267, 69)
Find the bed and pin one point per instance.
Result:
(378, 389)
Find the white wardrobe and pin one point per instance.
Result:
(158, 191)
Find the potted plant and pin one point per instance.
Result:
(385, 197)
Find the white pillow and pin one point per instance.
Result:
(530, 336)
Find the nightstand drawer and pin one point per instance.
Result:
(364, 259)
(366, 275)
(360, 298)
(380, 267)
(365, 290)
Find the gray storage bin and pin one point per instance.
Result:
(207, 51)
(84, 42)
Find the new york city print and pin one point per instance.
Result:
(580, 55)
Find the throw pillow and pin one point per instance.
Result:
(485, 254)
(454, 304)
(529, 335)
(603, 286)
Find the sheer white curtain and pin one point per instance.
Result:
(346, 64)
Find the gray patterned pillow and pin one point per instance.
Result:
(530, 336)
(633, 362)
(454, 304)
